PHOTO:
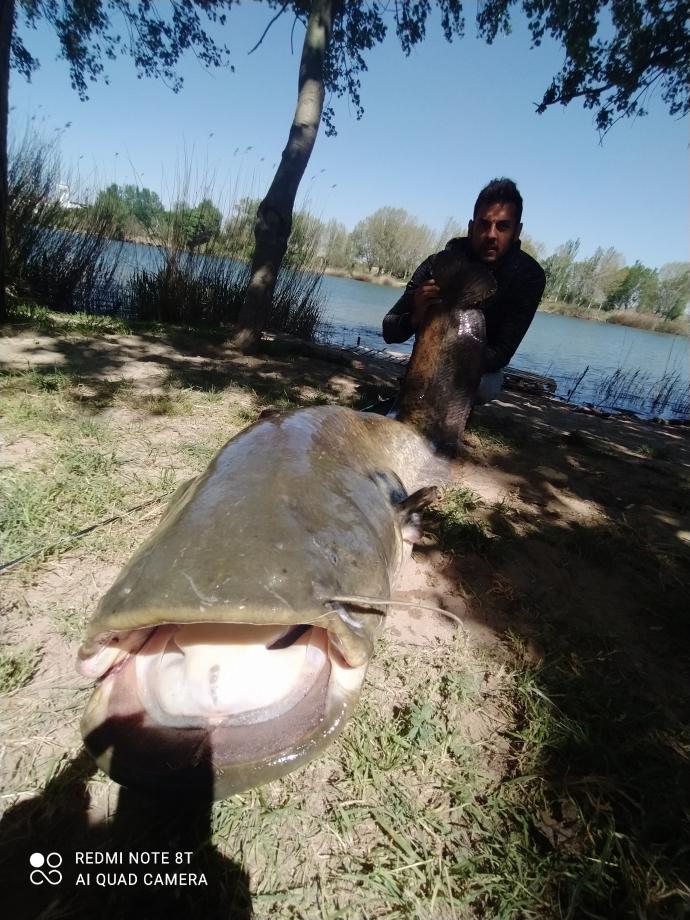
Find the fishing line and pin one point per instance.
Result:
(5, 566)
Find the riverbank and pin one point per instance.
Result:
(630, 318)
(383, 280)
(536, 768)
(634, 320)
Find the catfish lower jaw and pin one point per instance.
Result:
(143, 730)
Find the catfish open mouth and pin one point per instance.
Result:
(225, 700)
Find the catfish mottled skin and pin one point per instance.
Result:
(445, 367)
(294, 512)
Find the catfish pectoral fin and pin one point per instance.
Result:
(418, 500)
(409, 509)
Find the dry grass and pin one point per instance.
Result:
(648, 321)
(631, 318)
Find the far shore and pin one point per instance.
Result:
(383, 279)
(645, 321)
(630, 318)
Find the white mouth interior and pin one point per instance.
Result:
(206, 673)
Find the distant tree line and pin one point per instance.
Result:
(604, 282)
(138, 213)
(392, 242)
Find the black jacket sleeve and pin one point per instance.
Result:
(522, 302)
(396, 323)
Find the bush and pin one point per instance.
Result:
(208, 288)
(65, 259)
(61, 258)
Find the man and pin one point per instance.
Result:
(493, 238)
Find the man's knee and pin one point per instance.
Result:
(489, 387)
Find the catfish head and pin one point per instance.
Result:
(229, 650)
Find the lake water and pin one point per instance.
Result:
(623, 368)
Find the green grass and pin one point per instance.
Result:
(470, 782)
(609, 758)
(40, 508)
(52, 401)
(458, 525)
(42, 319)
(70, 621)
(385, 827)
(491, 439)
(198, 455)
(273, 394)
(93, 430)
(77, 476)
(172, 402)
(35, 381)
(206, 379)
(406, 818)
(91, 324)
(16, 668)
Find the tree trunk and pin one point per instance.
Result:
(274, 217)
(6, 23)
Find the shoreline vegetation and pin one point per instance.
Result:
(75, 260)
(647, 321)
(65, 256)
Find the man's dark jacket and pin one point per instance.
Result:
(520, 284)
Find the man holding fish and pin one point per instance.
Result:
(512, 288)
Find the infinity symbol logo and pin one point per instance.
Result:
(52, 876)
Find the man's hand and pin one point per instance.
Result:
(427, 295)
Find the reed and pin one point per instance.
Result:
(204, 283)
(56, 257)
(67, 260)
(640, 392)
(649, 321)
(187, 288)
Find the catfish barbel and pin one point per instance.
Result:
(226, 651)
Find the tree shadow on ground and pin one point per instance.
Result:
(58, 822)
(584, 568)
(104, 365)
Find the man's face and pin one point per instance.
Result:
(493, 231)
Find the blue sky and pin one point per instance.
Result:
(437, 126)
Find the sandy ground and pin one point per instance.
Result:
(560, 469)
(595, 512)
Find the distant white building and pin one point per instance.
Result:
(64, 198)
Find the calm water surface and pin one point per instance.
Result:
(623, 367)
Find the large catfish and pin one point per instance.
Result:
(445, 367)
(229, 651)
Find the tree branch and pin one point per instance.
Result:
(266, 30)
(297, 19)
(567, 97)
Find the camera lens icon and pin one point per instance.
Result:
(51, 876)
